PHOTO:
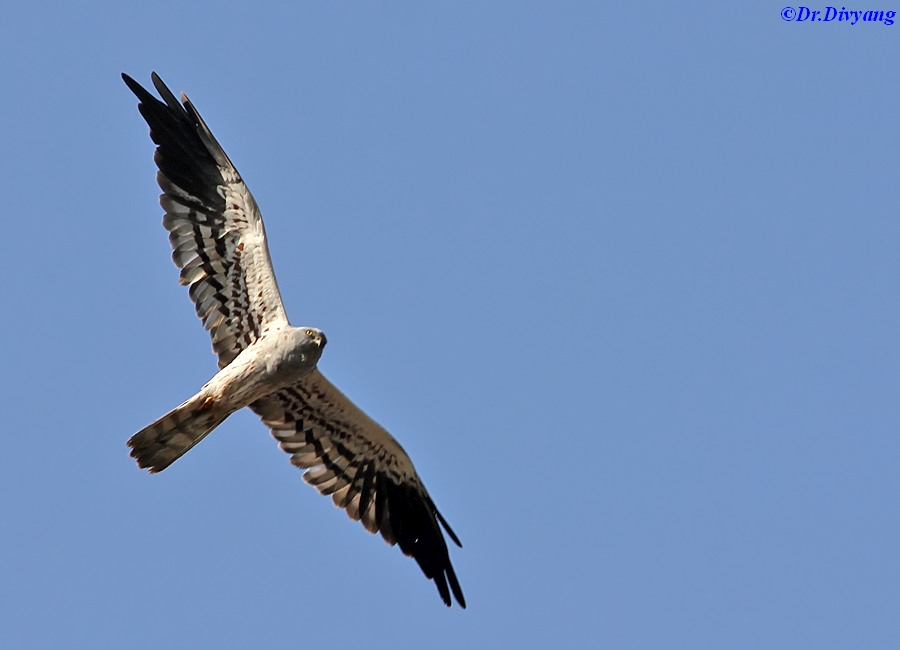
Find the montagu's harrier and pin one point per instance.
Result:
(219, 243)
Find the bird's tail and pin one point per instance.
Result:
(157, 446)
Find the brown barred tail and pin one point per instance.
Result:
(162, 443)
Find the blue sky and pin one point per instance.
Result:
(623, 281)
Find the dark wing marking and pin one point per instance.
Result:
(215, 227)
(352, 458)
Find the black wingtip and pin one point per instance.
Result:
(446, 526)
(146, 97)
(133, 85)
(414, 524)
(167, 95)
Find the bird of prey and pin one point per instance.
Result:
(219, 243)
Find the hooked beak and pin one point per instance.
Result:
(321, 340)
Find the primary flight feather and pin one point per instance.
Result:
(219, 243)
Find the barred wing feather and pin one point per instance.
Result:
(215, 227)
(349, 456)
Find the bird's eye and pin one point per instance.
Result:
(309, 333)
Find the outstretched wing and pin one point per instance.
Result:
(215, 228)
(352, 458)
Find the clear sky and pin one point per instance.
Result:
(622, 279)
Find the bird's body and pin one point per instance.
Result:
(280, 358)
(219, 243)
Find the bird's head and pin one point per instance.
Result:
(303, 346)
(315, 336)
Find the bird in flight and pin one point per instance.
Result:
(219, 243)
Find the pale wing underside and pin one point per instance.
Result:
(349, 456)
(215, 227)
